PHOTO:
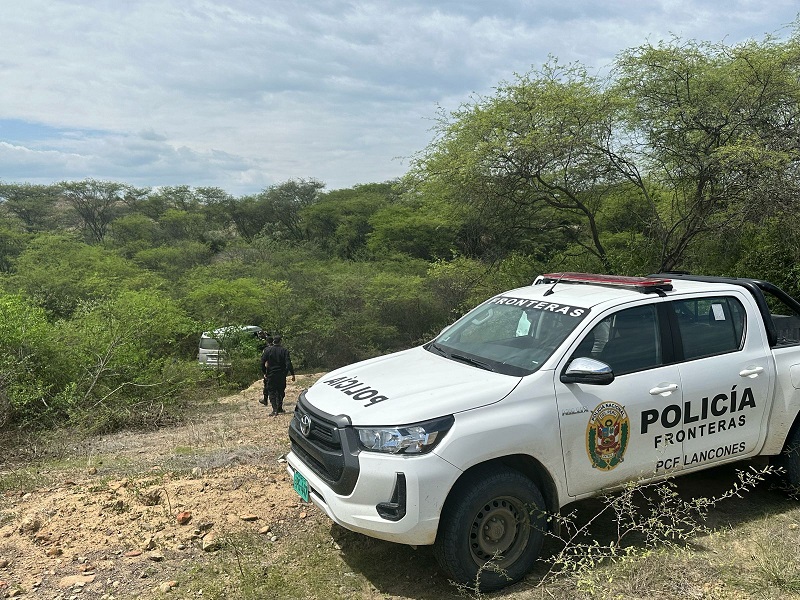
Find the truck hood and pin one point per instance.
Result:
(406, 387)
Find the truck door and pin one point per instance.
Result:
(727, 372)
(615, 433)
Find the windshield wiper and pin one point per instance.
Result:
(471, 361)
(438, 349)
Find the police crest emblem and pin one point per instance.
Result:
(607, 435)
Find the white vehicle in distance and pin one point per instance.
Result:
(547, 394)
(211, 353)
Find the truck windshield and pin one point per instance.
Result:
(508, 335)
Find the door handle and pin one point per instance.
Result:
(751, 372)
(664, 390)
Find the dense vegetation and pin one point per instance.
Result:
(685, 157)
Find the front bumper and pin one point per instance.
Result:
(392, 497)
(428, 479)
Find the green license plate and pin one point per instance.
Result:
(300, 485)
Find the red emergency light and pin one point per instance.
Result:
(641, 284)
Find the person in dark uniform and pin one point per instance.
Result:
(276, 364)
(264, 340)
(265, 343)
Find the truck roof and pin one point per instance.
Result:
(589, 290)
(231, 329)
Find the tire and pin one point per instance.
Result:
(789, 459)
(491, 514)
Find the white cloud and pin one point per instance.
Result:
(135, 160)
(242, 93)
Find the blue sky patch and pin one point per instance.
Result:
(16, 131)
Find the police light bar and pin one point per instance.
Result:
(640, 284)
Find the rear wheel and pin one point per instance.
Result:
(789, 459)
(491, 530)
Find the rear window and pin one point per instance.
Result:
(207, 343)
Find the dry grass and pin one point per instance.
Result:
(747, 548)
(750, 550)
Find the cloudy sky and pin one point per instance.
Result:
(243, 94)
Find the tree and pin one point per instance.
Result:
(696, 137)
(154, 203)
(12, 243)
(95, 203)
(242, 301)
(535, 159)
(340, 220)
(209, 195)
(60, 273)
(250, 214)
(135, 228)
(274, 211)
(285, 202)
(459, 284)
(417, 230)
(182, 225)
(173, 260)
(715, 130)
(398, 302)
(24, 359)
(34, 205)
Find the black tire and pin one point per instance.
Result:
(495, 517)
(789, 459)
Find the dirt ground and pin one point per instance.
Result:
(125, 514)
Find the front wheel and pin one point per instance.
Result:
(491, 530)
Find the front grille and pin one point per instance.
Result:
(324, 433)
(329, 448)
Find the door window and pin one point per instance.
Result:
(627, 341)
(709, 326)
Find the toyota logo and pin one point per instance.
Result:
(305, 425)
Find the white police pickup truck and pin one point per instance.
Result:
(544, 395)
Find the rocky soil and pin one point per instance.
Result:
(124, 515)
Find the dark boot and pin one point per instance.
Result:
(265, 399)
(274, 403)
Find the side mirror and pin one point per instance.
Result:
(588, 370)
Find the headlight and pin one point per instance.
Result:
(409, 439)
